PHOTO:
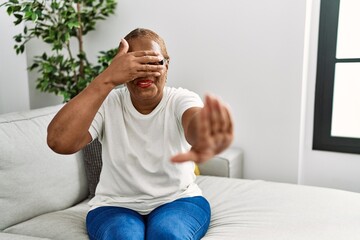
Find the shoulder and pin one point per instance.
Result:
(180, 93)
(114, 99)
(181, 99)
(116, 95)
(119, 92)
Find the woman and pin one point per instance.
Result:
(151, 136)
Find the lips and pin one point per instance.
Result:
(144, 83)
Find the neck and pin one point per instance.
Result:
(145, 106)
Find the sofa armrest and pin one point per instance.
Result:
(226, 164)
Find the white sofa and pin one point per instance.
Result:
(44, 195)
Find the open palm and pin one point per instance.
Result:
(214, 132)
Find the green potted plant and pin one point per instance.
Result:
(64, 71)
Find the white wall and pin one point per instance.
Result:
(14, 94)
(38, 99)
(321, 168)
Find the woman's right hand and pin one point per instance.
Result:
(127, 66)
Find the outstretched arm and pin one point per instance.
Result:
(209, 130)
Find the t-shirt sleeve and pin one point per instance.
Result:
(186, 99)
(96, 127)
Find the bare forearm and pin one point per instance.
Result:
(191, 130)
(68, 131)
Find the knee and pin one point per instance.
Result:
(115, 232)
(166, 229)
(114, 223)
(164, 234)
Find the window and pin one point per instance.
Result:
(337, 96)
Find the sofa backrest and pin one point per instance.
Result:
(33, 179)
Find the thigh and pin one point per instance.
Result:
(107, 223)
(185, 218)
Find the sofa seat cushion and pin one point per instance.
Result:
(241, 209)
(33, 179)
(9, 236)
(65, 224)
(262, 210)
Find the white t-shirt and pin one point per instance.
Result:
(136, 149)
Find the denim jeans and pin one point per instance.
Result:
(185, 218)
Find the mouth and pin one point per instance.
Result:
(144, 83)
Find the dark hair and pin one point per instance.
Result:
(143, 32)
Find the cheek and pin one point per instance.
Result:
(164, 75)
(130, 87)
(162, 79)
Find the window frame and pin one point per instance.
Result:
(324, 89)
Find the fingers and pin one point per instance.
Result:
(146, 53)
(214, 132)
(204, 129)
(216, 121)
(139, 64)
(146, 70)
(220, 123)
(219, 115)
(143, 56)
(149, 63)
(146, 74)
(150, 68)
(183, 157)
(123, 47)
(145, 63)
(193, 155)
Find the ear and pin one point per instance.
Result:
(167, 63)
(167, 68)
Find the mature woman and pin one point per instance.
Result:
(151, 136)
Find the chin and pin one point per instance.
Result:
(145, 93)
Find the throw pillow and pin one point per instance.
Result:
(93, 164)
(197, 170)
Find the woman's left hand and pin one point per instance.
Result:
(214, 132)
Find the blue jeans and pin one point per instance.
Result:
(185, 218)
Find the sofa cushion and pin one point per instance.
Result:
(65, 224)
(9, 236)
(93, 164)
(33, 179)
